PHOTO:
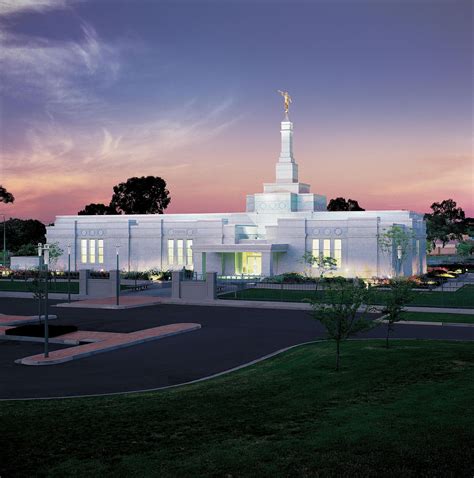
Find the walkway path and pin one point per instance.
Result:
(125, 302)
(106, 342)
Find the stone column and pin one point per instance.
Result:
(176, 277)
(83, 281)
(211, 285)
(267, 264)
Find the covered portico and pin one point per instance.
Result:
(253, 259)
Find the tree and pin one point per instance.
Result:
(399, 294)
(24, 231)
(340, 204)
(345, 311)
(97, 209)
(145, 195)
(396, 240)
(322, 263)
(5, 196)
(27, 250)
(55, 252)
(445, 223)
(465, 248)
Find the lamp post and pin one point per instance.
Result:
(43, 252)
(40, 269)
(117, 284)
(4, 240)
(69, 273)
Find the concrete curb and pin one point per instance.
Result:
(79, 305)
(22, 338)
(28, 320)
(30, 361)
(416, 322)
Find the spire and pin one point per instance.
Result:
(286, 168)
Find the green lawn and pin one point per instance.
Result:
(23, 286)
(405, 411)
(463, 297)
(430, 317)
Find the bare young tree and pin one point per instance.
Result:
(345, 311)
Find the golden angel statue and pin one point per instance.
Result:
(287, 99)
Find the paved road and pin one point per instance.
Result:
(229, 337)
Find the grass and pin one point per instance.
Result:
(463, 297)
(23, 286)
(403, 411)
(430, 317)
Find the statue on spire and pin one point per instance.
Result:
(287, 100)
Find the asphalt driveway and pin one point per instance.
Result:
(229, 337)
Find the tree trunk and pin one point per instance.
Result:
(337, 355)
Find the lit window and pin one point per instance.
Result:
(189, 252)
(180, 251)
(327, 247)
(170, 251)
(338, 252)
(315, 250)
(83, 251)
(100, 250)
(92, 251)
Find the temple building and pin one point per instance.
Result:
(279, 226)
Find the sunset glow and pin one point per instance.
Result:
(93, 95)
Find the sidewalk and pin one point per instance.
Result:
(108, 343)
(257, 304)
(125, 302)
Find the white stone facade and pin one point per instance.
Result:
(270, 238)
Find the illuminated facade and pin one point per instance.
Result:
(279, 226)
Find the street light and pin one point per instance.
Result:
(43, 252)
(117, 284)
(69, 273)
(4, 240)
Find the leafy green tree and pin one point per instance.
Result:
(445, 223)
(340, 204)
(144, 195)
(27, 250)
(322, 263)
(465, 248)
(397, 297)
(396, 240)
(345, 311)
(97, 209)
(5, 196)
(21, 232)
(55, 252)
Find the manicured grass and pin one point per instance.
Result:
(430, 317)
(23, 286)
(463, 297)
(402, 411)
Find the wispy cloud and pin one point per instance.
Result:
(62, 75)
(9, 7)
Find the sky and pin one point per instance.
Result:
(94, 92)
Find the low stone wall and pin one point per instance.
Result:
(24, 262)
(97, 287)
(194, 289)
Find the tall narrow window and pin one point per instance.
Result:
(100, 250)
(170, 252)
(180, 251)
(338, 252)
(83, 251)
(189, 252)
(92, 251)
(315, 250)
(327, 248)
